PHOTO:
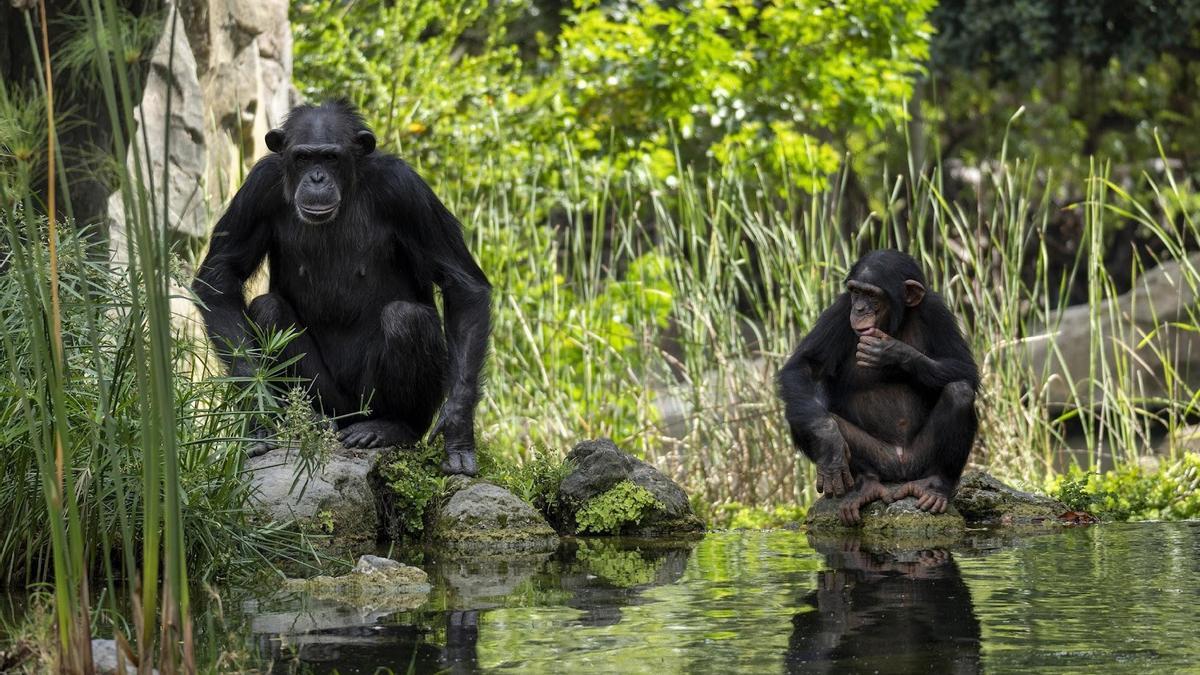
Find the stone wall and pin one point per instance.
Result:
(223, 70)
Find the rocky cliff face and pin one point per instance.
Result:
(220, 78)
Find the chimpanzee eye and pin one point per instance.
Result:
(302, 157)
(329, 157)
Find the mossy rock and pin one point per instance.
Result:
(336, 505)
(481, 517)
(374, 582)
(982, 499)
(899, 519)
(599, 466)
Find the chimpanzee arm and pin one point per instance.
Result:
(239, 243)
(947, 358)
(813, 429)
(435, 241)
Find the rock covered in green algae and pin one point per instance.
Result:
(599, 466)
(374, 582)
(984, 500)
(483, 517)
(900, 518)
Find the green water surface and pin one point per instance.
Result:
(1110, 598)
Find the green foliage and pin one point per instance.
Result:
(1010, 38)
(437, 80)
(108, 424)
(414, 476)
(1133, 493)
(607, 513)
(742, 80)
(536, 480)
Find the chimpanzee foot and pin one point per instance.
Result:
(931, 494)
(260, 441)
(460, 462)
(865, 491)
(376, 434)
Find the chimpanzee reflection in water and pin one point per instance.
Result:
(885, 612)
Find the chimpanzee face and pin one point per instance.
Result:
(868, 307)
(872, 307)
(320, 160)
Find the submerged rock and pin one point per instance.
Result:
(900, 519)
(337, 499)
(377, 583)
(983, 499)
(480, 516)
(599, 465)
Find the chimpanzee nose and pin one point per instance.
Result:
(317, 177)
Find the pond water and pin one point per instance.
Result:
(1111, 598)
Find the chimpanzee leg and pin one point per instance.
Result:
(871, 460)
(271, 312)
(870, 456)
(939, 452)
(406, 373)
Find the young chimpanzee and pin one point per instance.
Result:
(883, 390)
(355, 241)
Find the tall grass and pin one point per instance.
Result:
(657, 312)
(108, 412)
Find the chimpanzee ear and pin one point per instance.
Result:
(275, 140)
(365, 140)
(914, 293)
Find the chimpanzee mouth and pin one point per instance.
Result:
(864, 331)
(314, 214)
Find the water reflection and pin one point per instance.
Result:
(597, 578)
(884, 611)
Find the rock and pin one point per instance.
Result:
(336, 501)
(1179, 440)
(1158, 304)
(226, 71)
(483, 517)
(375, 583)
(599, 465)
(983, 499)
(175, 141)
(104, 658)
(900, 519)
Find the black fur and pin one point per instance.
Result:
(925, 407)
(359, 284)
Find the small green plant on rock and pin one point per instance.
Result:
(623, 504)
(1133, 493)
(536, 480)
(414, 479)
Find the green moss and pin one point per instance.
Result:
(413, 477)
(623, 504)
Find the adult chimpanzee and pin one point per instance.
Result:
(883, 390)
(355, 241)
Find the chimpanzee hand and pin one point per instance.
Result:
(833, 471)
(877, 349)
